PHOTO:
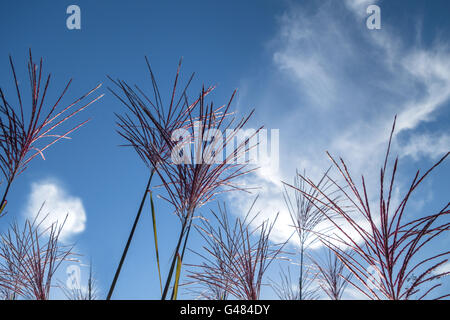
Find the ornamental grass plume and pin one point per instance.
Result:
(181, 143)
(389, 262)
(237, 255)
(27, 132)
(29, 258)
(147, 126)
(200, 171)
(148, 123)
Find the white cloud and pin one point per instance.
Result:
(348, 84)
(58, 205)
(431, 70)
(429, 145)
(359, 7)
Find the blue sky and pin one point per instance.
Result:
(310, 68)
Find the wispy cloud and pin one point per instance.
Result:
(58, 205)
(426, 145)
(359, 7)
(346, 84)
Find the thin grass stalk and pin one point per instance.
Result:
(5, 193)
(176, 255)
(186, 238)
(91, 292)
(177, 278)
(155, 238)
(130, 238)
